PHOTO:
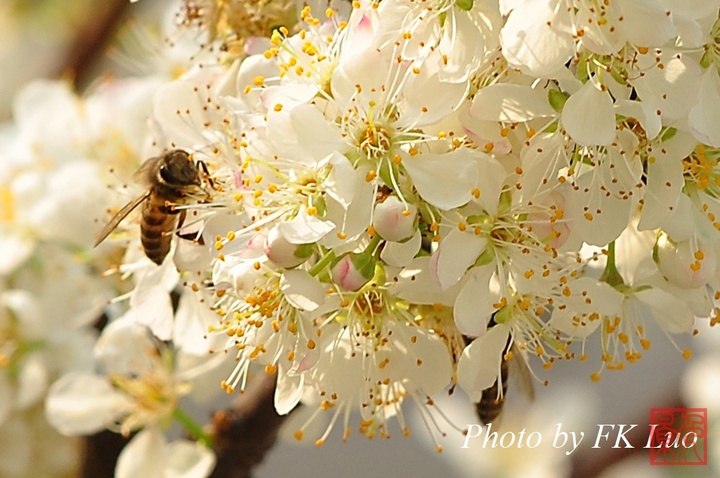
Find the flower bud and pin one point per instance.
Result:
(393, 220)
(685, 264)
(353, 270)
(283, 253)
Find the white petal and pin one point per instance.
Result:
(474, 304)
(340, 183)
(704, 118)
(304, 229)
(664, 186)
(537, 38)
(672, 90)
(146, 455)
(192, 320)
(399, 254)
(187, 459)
(125, 347)
(457, 252)
(426, 99)
(597, 218)
(509, 103)
(420, 358)
(288, 391)
(80, 404)
(302, 290)
(588, 116)
(14, 250)
(32, 382)
(303, 134)
(417, 284)
(479, 365)
(444, 180)
(645, 22)
(671, 313)
(589, 296)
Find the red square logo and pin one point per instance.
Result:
(678, 436)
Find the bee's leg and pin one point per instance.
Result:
(195, 236)
(203, 167)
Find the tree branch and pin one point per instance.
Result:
(244, 433)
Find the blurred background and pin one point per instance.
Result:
(78, 40)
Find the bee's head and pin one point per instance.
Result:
(178, 170)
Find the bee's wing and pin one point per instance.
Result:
(521, 372)
(110, 226)
(147, 170)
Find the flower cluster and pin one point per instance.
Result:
(396, 192)
(403, 190)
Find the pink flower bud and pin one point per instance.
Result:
(687, 264)
(393, 220)
(282, 253)
(353, 271)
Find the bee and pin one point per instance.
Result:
(168, 178)
(492, 401)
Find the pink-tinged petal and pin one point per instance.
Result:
(679, 263)
(146, 455)
(588, 116)
(474, 304)
(394, 220)
(510, 103)
(457, 252)
(81, 404)
(479, 365)
(444, 180)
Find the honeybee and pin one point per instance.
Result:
(492, 402)
(168, 179)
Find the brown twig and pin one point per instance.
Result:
(91, 40)
(244, 434)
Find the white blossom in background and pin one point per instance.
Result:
(396, 193)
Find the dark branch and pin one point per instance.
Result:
(244, 433)
(91, 41)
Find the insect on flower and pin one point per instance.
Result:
(168, 178)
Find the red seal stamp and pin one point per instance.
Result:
(678, 436)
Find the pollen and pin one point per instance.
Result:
(270, 369)
(595, 377)
(341, 235)
(298, 435)
(687, 354)
(278, 107)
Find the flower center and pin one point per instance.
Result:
(374, 141)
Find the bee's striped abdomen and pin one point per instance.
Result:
(490, 405)
(156, 228)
